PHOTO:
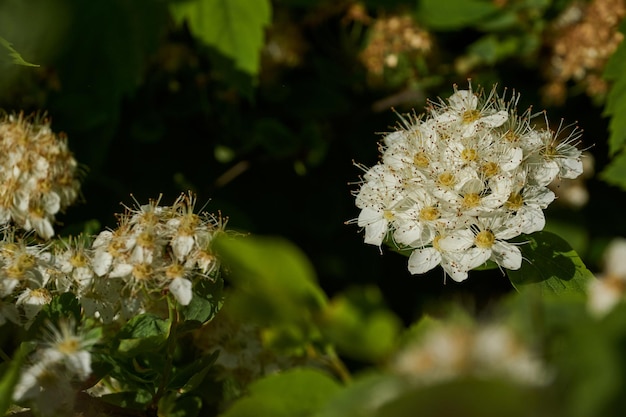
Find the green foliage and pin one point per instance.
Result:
(359, 324)
(550, 265)
(614, 108)
(298, 392)
(14, 56)
(274, 281)
(10, 374)
(234, 27)
(455, 14)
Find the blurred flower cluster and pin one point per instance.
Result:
(38, 173)
(582, 39)
(456, 186)
(449, 350)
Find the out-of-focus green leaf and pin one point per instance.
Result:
(297, 392)
(615, 73)
(364, 395)
(550, 265)
(615, 172)
(359, 325)
(10, 378)
(274, 282)
(454, 14)
(234, 27)
(468, 397)
(15, 57)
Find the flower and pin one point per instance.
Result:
(605, 292)
(38, 173)
(155, 250)
(62, 357)
(450, 350)
(455, 185)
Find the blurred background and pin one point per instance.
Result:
(264, 116)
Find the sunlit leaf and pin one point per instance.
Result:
(550, 265)
(15, 57)
(455, 14)
(9, 378)
(297, 392)
(359, 325)
(273, 280)
(234, 27)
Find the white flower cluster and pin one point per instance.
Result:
(38, 174)
(455, 186)
(451, 350)
(158, 248)
(154, 250)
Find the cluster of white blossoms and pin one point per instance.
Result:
(451, 350)
(155, 250)
(38, 174)
(455, 186)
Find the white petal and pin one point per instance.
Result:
(459, 240)
(507, 255)
(101, 262)
(423, 260)
(181, 288)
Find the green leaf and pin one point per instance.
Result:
(360, 326)
(455, 14)
(16, 58)
(61, 307)
(10, 378)
(206, 301)
(550, 265)
(143, 333)
(297, 392)
(191, 376)
(234, 27)
(615, 73)
(274, 282)
(615, 172)
(363, 395)
(173, 405)
(465, 396)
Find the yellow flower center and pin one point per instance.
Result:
(490, 169)
(142, 271)
(69, 346)
(471, 200)
(470, 116)
(515, 201)
(421, 160)
(469, 155)
(511, 136)
(429, 213)
(388, 215)
(447, 179)
(485, 239)
(174, 271)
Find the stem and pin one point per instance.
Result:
(169, 351)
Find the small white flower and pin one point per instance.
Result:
(181, 288)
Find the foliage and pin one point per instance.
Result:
(274, 306)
